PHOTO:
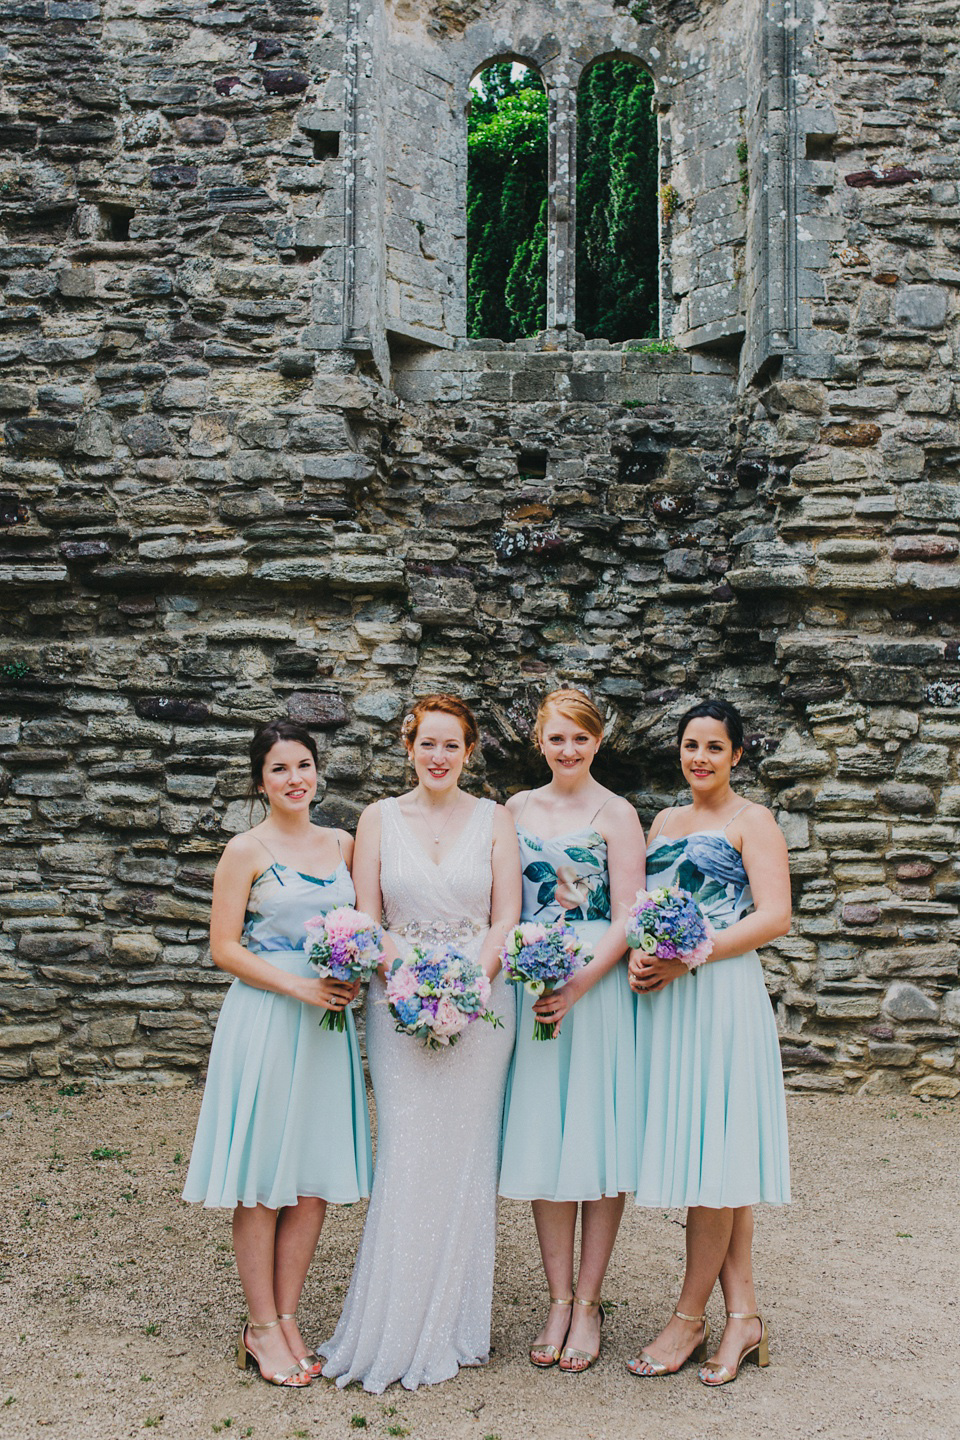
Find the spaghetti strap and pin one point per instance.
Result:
(599, 808)
(663, 823)
(733, 817)
(523, 807)
(267, 848)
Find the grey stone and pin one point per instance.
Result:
(904, 1001)
(924, 306)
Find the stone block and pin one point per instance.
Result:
(13, 1037)
(907, 1002)
(922, 306)
(937, 1087)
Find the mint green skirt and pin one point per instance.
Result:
(570, 1128)
(284, 1111)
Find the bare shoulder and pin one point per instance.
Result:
(758, 836)
(659, 820)
(619, 816)
(345, 841)
(515, 803)
(243, 854)
(503, 826)
(757, 820)
(369, 821)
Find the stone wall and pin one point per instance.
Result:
(252, 466)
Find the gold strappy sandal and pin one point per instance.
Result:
(647, 1368)
(545, 1356)
(712, 1374)
(313, 1366)
(582, 1355)
(292, 1379)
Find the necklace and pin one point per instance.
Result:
(423, 816)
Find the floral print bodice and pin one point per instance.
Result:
(282, 900)
(706, 864)
(565, 877)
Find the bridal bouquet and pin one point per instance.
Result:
(345, 944)
(435, 995)
(540, 957)
(669, 923)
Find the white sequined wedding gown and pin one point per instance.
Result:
(419, 1301)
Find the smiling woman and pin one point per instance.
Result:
(442, 870)
(711, 1113)
(255, 1148)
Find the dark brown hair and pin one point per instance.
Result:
(728, 715)
(265, 737)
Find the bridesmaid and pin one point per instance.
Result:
(283, 1127)
(711, 1111)
(569, 1134)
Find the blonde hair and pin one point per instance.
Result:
(445, 705)
(572, 705)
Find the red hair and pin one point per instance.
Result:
(444, 705)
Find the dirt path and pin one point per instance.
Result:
(119, 1304)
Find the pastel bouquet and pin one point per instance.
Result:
(541, 957)
(345, 944)
(669, 923)
(435, 995)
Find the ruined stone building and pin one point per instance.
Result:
(252, 465)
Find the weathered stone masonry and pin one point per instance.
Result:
(251, 465)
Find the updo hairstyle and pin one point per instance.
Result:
(444, 705)
(265, 737)
(728, 715)
(572, 705)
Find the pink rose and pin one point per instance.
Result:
(402, 984)
(343, 923)
(448, 1019)
(530, 932)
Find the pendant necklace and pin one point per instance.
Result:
(436, 837)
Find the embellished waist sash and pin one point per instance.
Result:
(438, 932)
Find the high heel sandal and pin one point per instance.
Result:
(568, 1351)
(293, 1379)
(758, 1352)
(549, 1353)
(646, 1368)
(313, 1365)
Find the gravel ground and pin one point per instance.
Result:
(120, 1305)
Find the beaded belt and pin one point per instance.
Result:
(438, 932)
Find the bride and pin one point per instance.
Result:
(439, 867)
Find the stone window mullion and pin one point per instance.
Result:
(562, 204)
